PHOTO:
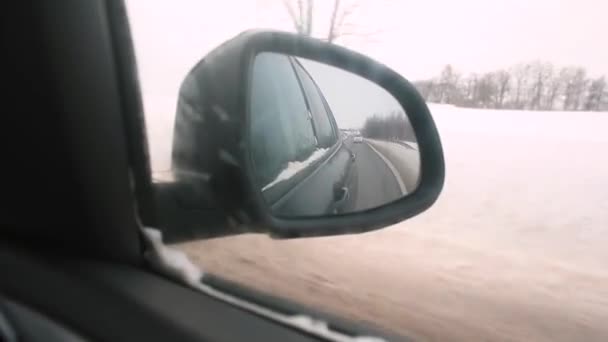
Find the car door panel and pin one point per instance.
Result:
(315, 195)
(113, 302)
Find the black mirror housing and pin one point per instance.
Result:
(212, 191)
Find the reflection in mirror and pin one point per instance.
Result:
(324, 141)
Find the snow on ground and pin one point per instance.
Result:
(512, 124)
(513, 250)
(294, 167)
(527, 182)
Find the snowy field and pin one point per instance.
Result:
(515, 249)
(527, 182)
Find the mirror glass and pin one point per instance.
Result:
(324, 141)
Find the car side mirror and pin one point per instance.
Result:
(287, 135)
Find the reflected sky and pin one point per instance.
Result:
(351, 98)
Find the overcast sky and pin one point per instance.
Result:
(415, 38)
(352, 98)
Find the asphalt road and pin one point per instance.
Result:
(376, 184)
(404, 158)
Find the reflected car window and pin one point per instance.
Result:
(276, 138)
(323, 126)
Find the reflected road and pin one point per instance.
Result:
(379, 175)
(376, 184)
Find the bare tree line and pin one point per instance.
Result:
(532, 86)
(302, 15)
(394, 126)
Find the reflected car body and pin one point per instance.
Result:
(324, 185)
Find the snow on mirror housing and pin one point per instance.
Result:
(287, 135)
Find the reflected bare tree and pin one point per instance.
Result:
(302, 14)
(391, 126)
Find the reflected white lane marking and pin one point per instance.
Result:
(392, 168)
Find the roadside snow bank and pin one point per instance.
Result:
(552, 126)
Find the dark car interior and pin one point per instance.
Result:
(78, 191)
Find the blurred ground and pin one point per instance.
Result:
(514, 250)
